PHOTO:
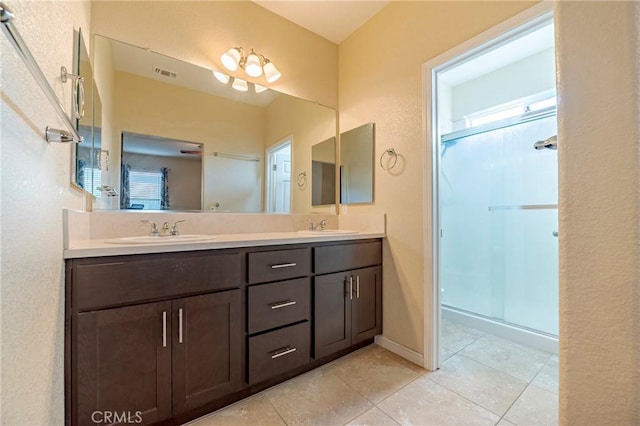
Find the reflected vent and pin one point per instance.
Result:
(164, 73)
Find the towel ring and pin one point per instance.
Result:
(391, 152)
(302, 179)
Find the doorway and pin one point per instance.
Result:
(279, 177)
(494, 195)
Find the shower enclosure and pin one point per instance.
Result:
(499, 222)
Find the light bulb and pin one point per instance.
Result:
(271, 73)
(231, 58)
(240, 84)
(252, 66)
(221, 77)
(260, 89)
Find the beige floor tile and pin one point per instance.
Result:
(373, 417)
(375, 373)
(445, 354)
(536, 406)
(454, 336)
(505, 422)
(547, 378)
(252, 411)
(424, 402)
(513, 358)
(486, 386)
(317, 398)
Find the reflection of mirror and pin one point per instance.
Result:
(146, 93)
(356, 165)
(150, 164)
(86, 170)
(323, 172)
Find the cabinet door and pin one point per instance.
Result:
(332, 314)
(207, 334)
(366, 314)
(123, 364)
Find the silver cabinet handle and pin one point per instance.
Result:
(79, 98)
(180, 325)
(283, 352)
(284, 304)
(283, 265)
(358, 286)
(351, 288)
(164, 329)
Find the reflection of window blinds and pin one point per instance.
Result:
(145, 188)
(91, 180)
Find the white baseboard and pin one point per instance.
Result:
(398, 349)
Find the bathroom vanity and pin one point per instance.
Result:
(169, 337)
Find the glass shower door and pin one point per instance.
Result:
(498, 216)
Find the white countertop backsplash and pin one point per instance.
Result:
(85, 232)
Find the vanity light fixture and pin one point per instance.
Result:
(254, 64)
(259, 89)
(221, 77)
(240, 84)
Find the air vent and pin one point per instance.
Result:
(165, 73)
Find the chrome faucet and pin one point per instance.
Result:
(154, 229)
(316, 226)
(174, 228)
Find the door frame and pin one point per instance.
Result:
(269, 151)
(500, 34)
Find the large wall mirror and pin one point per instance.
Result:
(356, 165)
(199, 143)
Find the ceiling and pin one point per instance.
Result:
(334, 20)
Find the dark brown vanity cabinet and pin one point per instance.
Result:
(150, 361)
(165, 338)
(347, 304)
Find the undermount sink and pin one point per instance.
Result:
(166, 239)
(325, 232)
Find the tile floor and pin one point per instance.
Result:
(484, 380)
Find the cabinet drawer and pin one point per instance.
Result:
(279, 351)
(343, 257)
(102, 285)
(279, 265)
(277, 304)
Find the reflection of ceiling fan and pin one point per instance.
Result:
(186, 151)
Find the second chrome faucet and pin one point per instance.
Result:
(167, 229)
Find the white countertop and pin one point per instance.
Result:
(98, 247)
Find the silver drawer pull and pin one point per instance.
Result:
(283, 352)
(283, 265)
(284, 304)
(164, 329)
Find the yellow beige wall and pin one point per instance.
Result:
(599, 153)
(380, 81)
(199, 32)
(35, 188)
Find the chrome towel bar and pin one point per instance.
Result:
(51, 134)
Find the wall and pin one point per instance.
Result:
(401, 37)
(598, 152)
(185, 177)
(199, 32)
(526, 77)
(35, 188)
(309, 124)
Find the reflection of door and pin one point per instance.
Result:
(279, 178)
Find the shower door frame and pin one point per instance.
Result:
(500, 34)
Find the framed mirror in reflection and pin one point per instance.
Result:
(356, 165)
(323, 173)
(156, 100)
(86, 157)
